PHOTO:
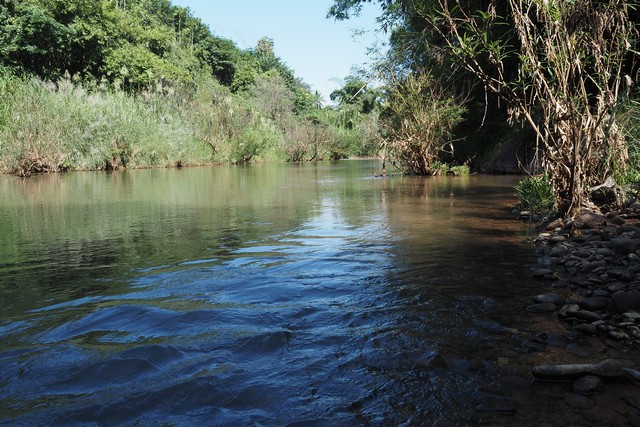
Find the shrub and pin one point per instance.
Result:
(536, 194)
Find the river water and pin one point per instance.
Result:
(279, 294)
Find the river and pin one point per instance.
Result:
(276, 294)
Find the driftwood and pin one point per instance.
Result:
(609, 369)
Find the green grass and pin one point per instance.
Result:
(75, 125)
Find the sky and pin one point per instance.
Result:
(321, 51)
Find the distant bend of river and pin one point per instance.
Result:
(277, 294)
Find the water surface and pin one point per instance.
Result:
(280, 294)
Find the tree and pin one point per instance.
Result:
(561, 66)
(571, 60)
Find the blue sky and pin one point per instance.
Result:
(320, 50)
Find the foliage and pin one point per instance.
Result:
(562, 68)
(536, 194)
(419, 118)
(107, 84)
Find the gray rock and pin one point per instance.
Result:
(609, 368)
(588, 385)
(587, 315)
(626, 301)
(622, 274)
(624, 245)
(549, 298)
(632, 374)
(546, 307)
(594, 303)
(604, 252)
(558, 251)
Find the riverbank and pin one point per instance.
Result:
(589, 311)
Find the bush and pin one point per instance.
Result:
(536, 195)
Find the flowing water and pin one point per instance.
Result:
(280, 294)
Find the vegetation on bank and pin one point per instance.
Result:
(107, 84)
(565, 71)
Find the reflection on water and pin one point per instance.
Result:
(272, 294)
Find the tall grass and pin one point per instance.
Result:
(74, 125)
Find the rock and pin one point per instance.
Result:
(604, 252)
(617, 335)
(589, 316)
(594, 303)
(632, 374)
(545, 307)
(624, 245)
(579, 401)
(558, 251)
(609, 368)
(542, 272)
(588, 385)
(631, 316)
(626, 301)
(621, 274)
(588, 220)
(549, 298)
(586, 328)
(605, 193)
(554, 224)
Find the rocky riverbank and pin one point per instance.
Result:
(591, 306)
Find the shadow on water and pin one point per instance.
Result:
(307, 294)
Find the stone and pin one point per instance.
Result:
(554, 224)
(594, 303)
(558, 251)
(626, 301)
(621, 274)
(588, 220)
(609, 368)
(586, 328)
(542, 308)
(579, 401)
(587, 315)
(624, 245)
(588, 385)
(549, 298)
(632, 374)
(604, 252)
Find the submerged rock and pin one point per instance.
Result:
(588, 385)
